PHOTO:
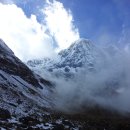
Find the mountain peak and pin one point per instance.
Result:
(82, 43)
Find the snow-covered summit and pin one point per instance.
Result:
(79, 53)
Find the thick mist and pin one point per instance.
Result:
(107, 84)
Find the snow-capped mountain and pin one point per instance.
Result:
(82, 53)
(22, 91)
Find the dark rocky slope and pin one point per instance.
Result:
(22, 91)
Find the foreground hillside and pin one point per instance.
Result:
(94, 119)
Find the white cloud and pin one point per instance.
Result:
(25, 36)
(28, 38)
(60, 24)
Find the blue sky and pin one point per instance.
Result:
(93, 18)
